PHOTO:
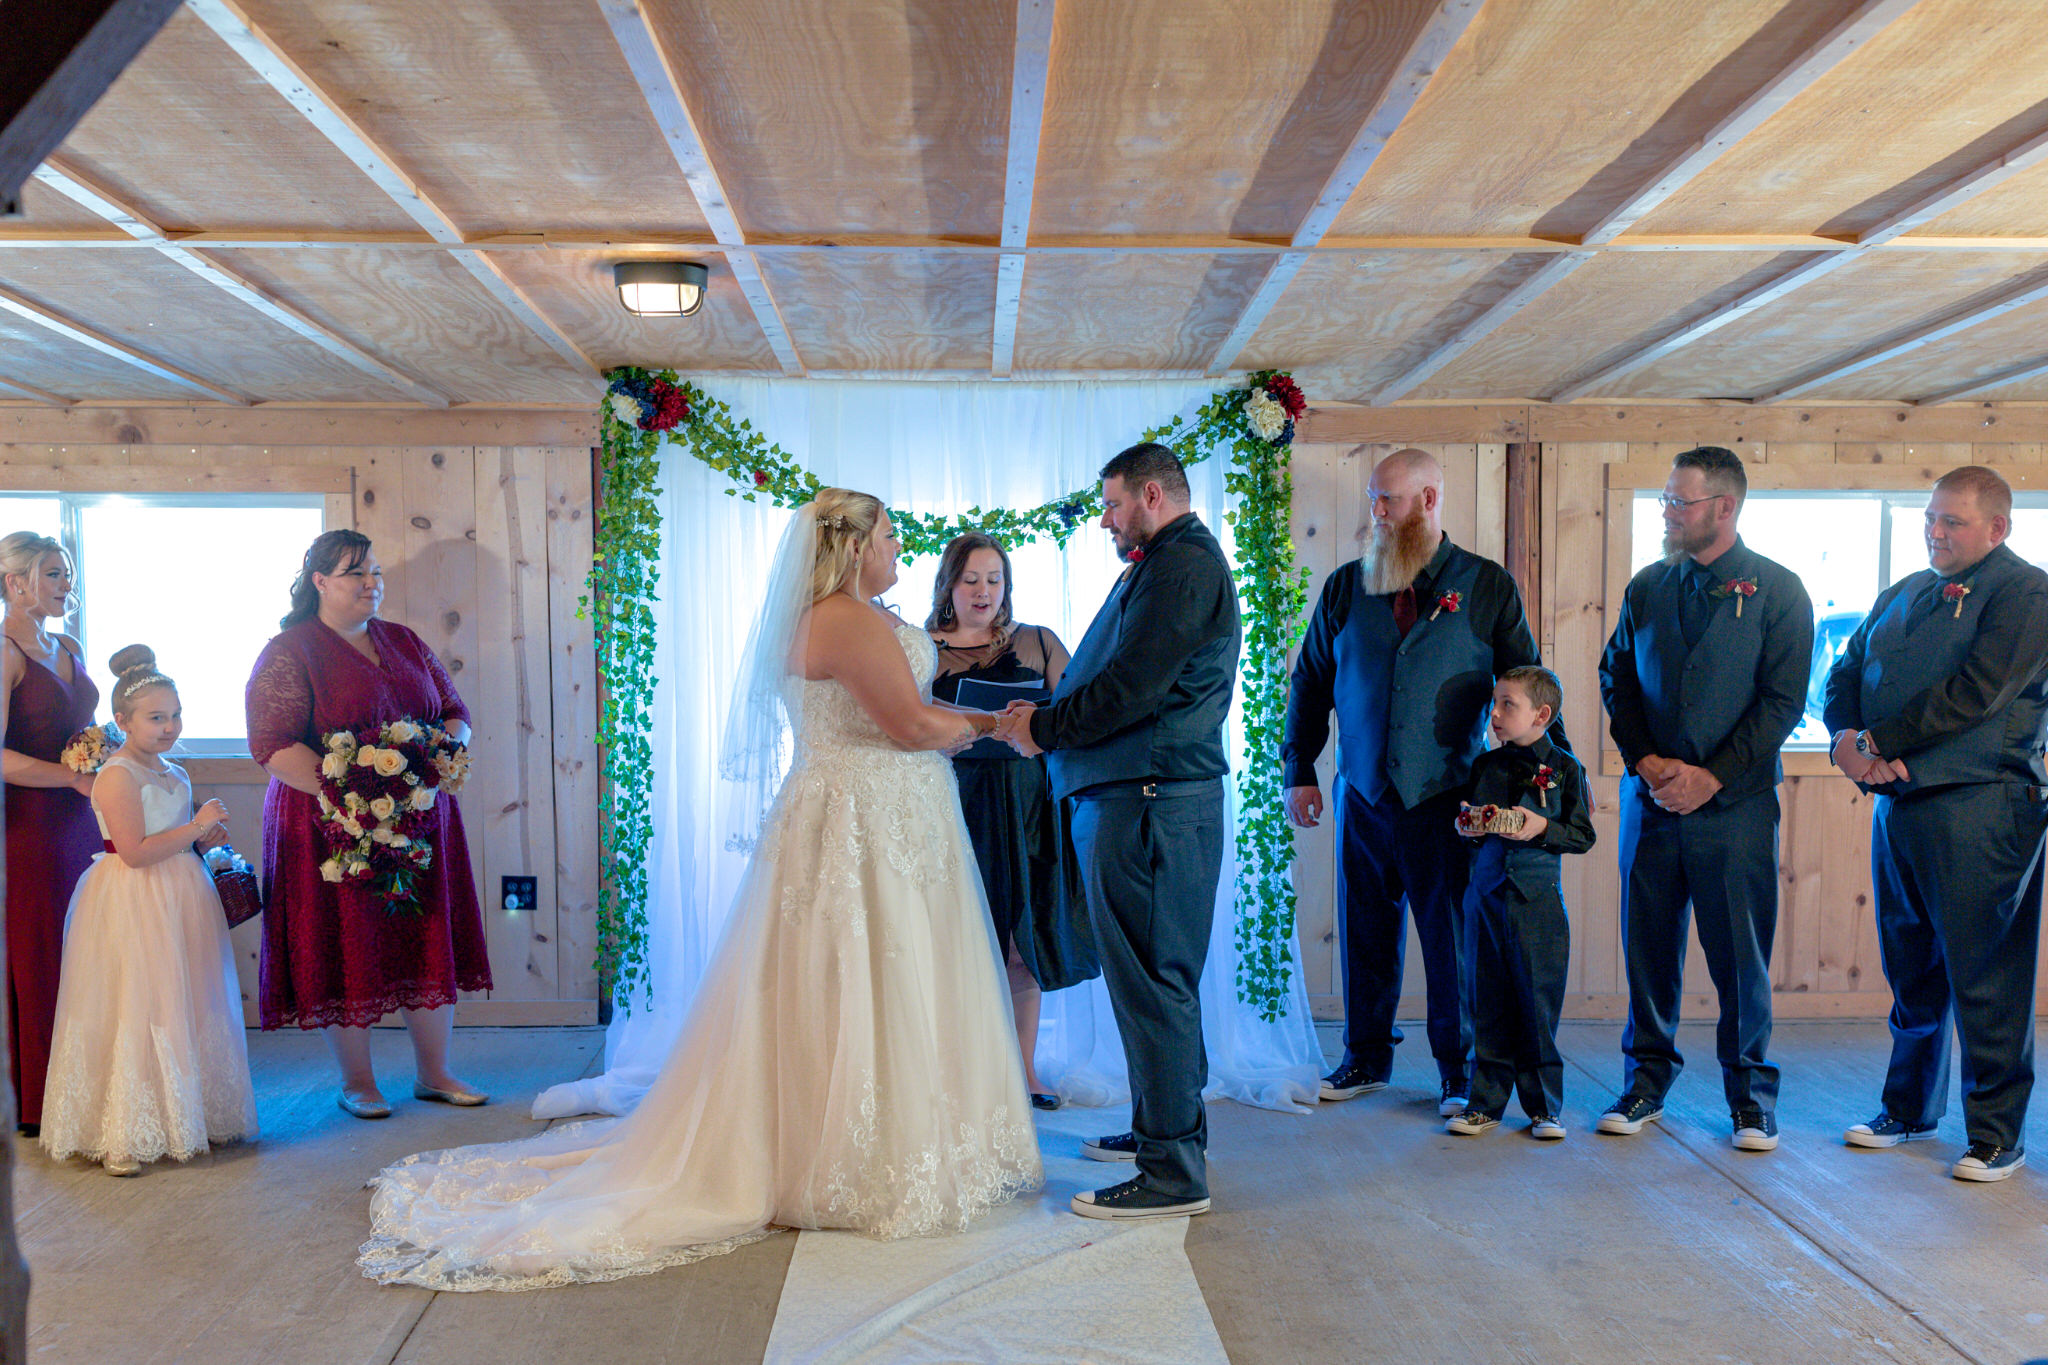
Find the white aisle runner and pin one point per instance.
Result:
(1030, 1283)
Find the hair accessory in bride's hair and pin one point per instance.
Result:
(837, 522)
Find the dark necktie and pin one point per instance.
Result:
(1698, 607)
(1404, 610)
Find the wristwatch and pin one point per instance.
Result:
(1863, 744)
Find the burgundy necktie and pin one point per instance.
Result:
(1404, 610)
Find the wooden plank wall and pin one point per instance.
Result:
(485, 550)
(1825, 962)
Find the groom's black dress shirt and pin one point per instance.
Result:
(1149, 685)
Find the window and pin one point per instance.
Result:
(1846, 547)
(200, 578)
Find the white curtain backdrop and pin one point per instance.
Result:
(928, 447)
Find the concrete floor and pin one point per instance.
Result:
(1361, 1233)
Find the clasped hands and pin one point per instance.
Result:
(1013, 727)
(1675, 785)
(1872, 770)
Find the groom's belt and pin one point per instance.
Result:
(1147, 789)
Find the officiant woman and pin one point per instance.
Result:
(51, 834)
(334, 957)
(986, 660)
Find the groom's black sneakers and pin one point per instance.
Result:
(1133, 1200)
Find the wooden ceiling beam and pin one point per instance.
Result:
(1924, 210)
(82, 190)
(663, 92)
(1924, 335)
(1847, 37)
(31, 391)
(1030, 68)
(1998, 379)
(74, 330)
(1418, 66)
(269, 61)
(59, 57)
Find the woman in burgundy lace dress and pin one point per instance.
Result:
(333, 958)
(51, 835)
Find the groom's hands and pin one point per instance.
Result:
(1013, 727)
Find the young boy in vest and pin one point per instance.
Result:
(1527, 806)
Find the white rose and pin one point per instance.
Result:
(326, 806)
(422, 798)
(400, 841)
(1265, 415)
(366, 755)
(389, 763)
(334, 766)
(383, 808)
(341, 742)
(331, 870)
(401, 732)
(351, 827)
(354, 801)
(381, 835)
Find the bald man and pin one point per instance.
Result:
(1405, 646)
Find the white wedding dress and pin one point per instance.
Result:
(849, 1061)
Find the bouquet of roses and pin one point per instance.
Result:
(89, 749)
(378, 786)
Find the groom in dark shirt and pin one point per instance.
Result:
(1134, 740)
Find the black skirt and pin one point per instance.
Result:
(1028, 868)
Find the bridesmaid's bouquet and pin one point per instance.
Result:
(378, 786)
(89, 749)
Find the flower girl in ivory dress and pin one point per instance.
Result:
(148, 1058)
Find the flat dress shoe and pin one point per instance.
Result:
(1987, 1161)
(121, 1165)
(363, 1109)
(1347, 1081)
(1756, 1130)
(1627, 1115)
(1132, 1200)
(1885, 1131)
(466, 1098)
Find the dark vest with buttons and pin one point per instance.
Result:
(1693, 696)
(1411, 714)
(1918, 641)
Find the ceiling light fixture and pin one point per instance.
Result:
(660, 289)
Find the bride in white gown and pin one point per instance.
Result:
(849, 1061)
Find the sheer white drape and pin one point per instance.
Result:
(930, 447)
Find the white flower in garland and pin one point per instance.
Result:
(1265, 415)
(626, 408)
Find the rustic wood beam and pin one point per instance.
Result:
(1418, 66)
(1924, 335)
(1466, 336)
(1998, 379)
(74, 330)
(1973, 182)
(663, 92)
(58, 58)
(39, 395)
(269, 61)
(1030, 66)
(82, 190)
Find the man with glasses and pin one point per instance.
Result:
(1704, 680)
(1405, 645)
(1939, 708)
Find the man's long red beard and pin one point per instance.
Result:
(1396, 552)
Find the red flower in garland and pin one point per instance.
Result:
(1288, 394)
(1447, 602)
(1955, 592)
(666, 408)
(760, 478)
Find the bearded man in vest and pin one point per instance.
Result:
(1939, 708)
(1405, 646)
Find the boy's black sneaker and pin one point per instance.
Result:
(1133, 1200)
(1987, 1161)
(1756, 1130)
(1627, 1115)
(1885, 1131)
(1347, 1081)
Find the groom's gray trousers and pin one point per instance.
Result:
(1150, 855)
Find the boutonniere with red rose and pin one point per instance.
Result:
(1136, 556)
(1544, 780)
(1739, 589)
(1955, 592)
(1447, 602)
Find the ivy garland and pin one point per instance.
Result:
(1255, 424)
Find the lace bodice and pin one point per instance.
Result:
(835, 722)
(166, 797)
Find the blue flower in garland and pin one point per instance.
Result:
(1071, 512)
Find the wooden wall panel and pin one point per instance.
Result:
(573, 677)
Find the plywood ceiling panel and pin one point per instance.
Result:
(1867, 302)
(1348, 324)
(159, 307)
(2021, 335)
(511, 115)
(2017, 208)
(422, 312)
(850, 117)
(575, 289)
(1549, 113)
(1207, 116)
(55, 364)
(1948, 86)
(194, 139)
(1613, 305)
(44, 208)
(866, 310)
(1087, 312)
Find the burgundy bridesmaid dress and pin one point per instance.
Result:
(51, 839)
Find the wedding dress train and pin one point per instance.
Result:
(849, 1061)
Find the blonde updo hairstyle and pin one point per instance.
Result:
(134, 669)
(845, 521)
(20, 554)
